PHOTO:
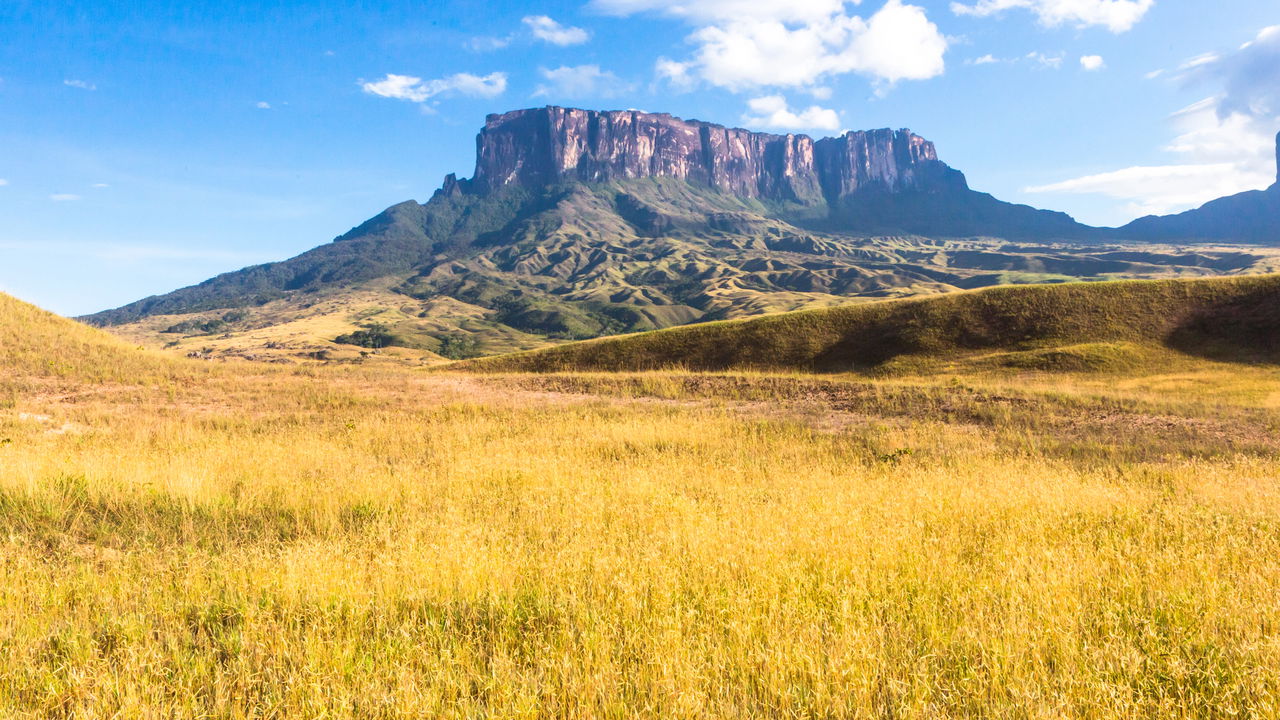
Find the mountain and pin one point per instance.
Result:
(580, 223)
(1252, 216)
(1079, 327)
(877, 181)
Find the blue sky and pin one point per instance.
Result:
(147, 145)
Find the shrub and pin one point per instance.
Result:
(374, 336)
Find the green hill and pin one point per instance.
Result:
(1074, 326)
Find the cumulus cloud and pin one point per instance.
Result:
(63, 197)
(1092, 63)
(987, 59)
(262, 105)
(579, 81)
(1225, 143)
(679, 75)
(414, 89)
(3, 182)
(80, 84)
(548, 30)
(771, 111)
(743, 46)
(1116, 15)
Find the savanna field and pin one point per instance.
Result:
(184, 539)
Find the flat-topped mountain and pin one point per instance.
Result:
(579, 223)
(554, 145)
(871, 181)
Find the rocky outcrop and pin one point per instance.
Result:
(549, 145)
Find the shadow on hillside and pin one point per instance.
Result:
(1245, 328)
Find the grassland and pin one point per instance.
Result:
(183, 539)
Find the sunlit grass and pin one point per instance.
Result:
(195, 540)
(270, 543)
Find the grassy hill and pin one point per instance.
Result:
(1075, 326)
(36, 343)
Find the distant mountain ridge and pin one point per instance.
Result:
(1252, 216)
(580, 223)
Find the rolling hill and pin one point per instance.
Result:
(1077, 326)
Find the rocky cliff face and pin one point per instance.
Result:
(548, 145)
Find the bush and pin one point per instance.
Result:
(458, 347)
(373, 336)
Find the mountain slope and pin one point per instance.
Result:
(1252, 216)
(1073, 326)
(580, 224)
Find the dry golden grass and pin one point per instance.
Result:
(249, 542)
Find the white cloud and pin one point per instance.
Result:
(676, 73)
(1035, 59)
(414, 89)
(1116, 15)
(1049, 61)
(546, 29)
(101, 185)
(1092, 63)
(263, 105)
(580, 81)
(64, 197)
(1200, 60)
(771, 111)
(821, 93)
(80, 84)
(1161, 189)
(3, 182)
(744, 46)
(1225, 143)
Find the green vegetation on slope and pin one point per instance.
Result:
(1222, 318)
(521, 269)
